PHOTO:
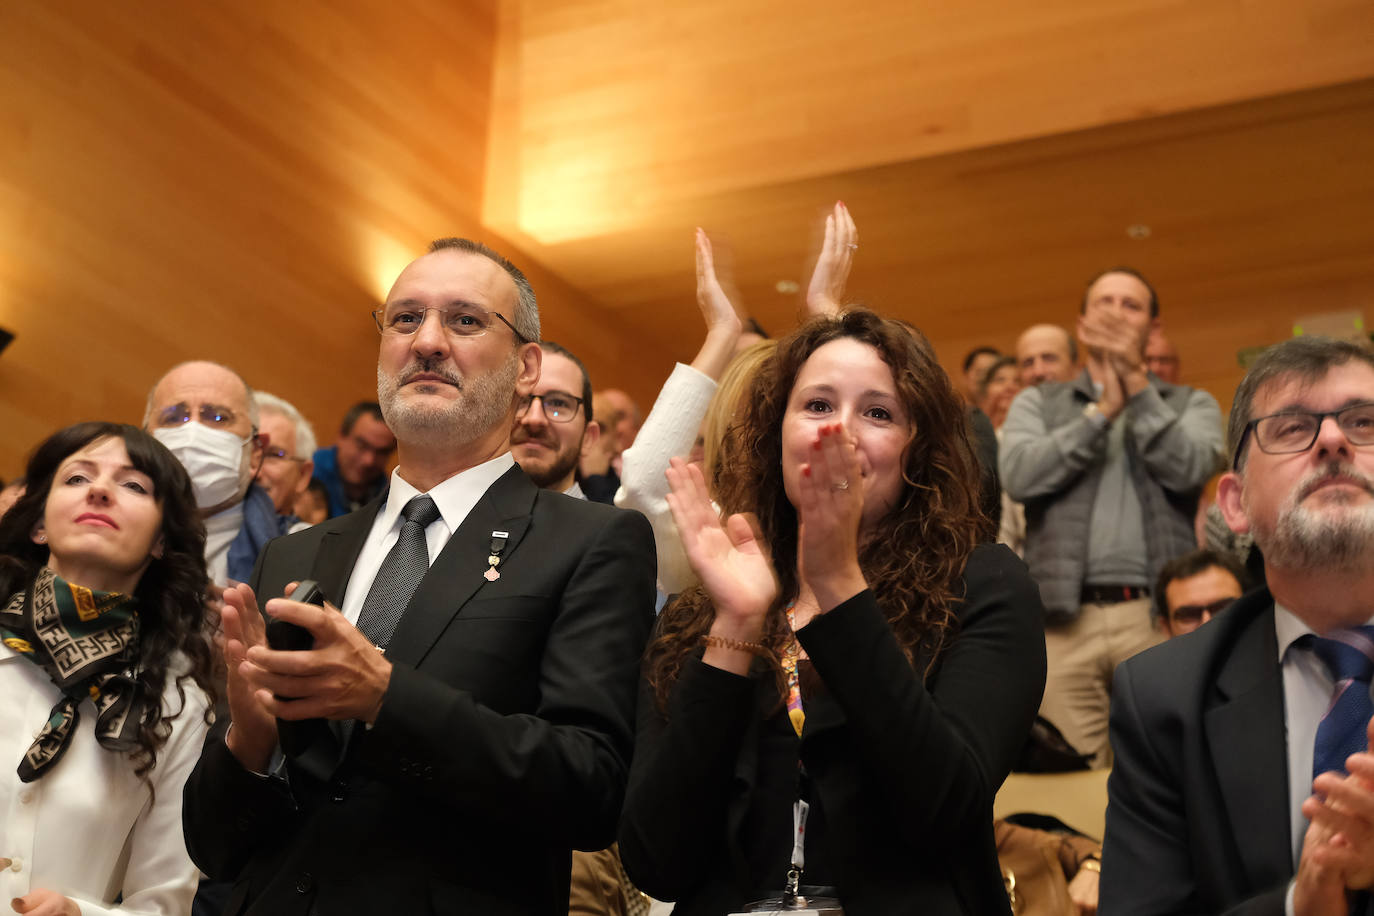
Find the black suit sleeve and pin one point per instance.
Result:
(564, 766)
(1148, 866)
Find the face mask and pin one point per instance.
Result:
(216, 460)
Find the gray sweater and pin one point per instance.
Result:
(1053, 458)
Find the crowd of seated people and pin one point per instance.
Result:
(865, 594)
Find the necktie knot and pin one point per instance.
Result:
(1349, 654)
(421, 510)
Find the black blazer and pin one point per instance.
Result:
(1198, 819)
(503, 741)
(903, 768)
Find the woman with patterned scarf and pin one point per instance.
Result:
(105, 675)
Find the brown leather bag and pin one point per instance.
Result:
(1037, 866)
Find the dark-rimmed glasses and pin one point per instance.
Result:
(559, 406)
(465, 320)
(1192, 613)
(1291, 431)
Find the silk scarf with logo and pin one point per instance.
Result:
(85, 640)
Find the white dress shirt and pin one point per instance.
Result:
(455, 498)
(89, 828)
(1307, 690)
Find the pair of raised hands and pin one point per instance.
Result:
(732, 560)
(824, 295)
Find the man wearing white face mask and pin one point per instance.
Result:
(206, 415)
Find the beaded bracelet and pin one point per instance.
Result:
(725, 642)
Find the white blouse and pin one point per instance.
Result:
(669, 431)
(89, 828)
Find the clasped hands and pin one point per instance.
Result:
(733, 561)
(1117, 350)
(1338, 848)
(343, 676)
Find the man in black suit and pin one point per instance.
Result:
(491, 735)
(1217, 734)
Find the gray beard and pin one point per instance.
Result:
(1337, 538)
(485, 403)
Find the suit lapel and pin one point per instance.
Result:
(339, 550)
(457, 573)
(1245, 735)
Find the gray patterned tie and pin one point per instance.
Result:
(400, 573)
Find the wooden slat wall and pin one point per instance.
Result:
(237, 182)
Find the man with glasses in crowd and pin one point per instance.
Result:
(289, 443)
(206, 415)
(554, 425)
(476, 663)
(1194, 588)
(353, 469)
(1218, 737)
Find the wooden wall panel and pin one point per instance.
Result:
(624, 108)
(237, 182)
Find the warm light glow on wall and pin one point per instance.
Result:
(385, 258)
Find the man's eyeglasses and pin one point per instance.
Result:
(1193, 613)
(465, 320)
(1292, 431)
(276, 451)
(559, 406)
(211, 415)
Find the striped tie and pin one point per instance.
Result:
(1349, 655)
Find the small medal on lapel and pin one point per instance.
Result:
(498, 544)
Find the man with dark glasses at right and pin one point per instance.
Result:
(1243, 779)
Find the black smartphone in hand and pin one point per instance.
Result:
(285, 636)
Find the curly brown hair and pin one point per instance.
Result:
(912, 557)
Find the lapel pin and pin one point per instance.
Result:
(498, 544)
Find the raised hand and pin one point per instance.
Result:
(723, 324)
(1108, 338)
(253, 736)
(826, 293)
(731, 560)
(830, 503)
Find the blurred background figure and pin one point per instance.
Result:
(1046, 353)
(353, 469)
(1161, 356)
(998, 389)
(287, 464)
(10, 494)
(1194, 588)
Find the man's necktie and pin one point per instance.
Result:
(1349, 654)
(400, 573)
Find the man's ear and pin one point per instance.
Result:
(256, 456)
(1230, 489)
(531, 359)
(307, 472)
(589, 437)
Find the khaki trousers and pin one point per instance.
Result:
(1080, 659)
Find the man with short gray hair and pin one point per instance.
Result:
(286, 458)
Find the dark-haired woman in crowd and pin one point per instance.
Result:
(105, 674)
(853, 662)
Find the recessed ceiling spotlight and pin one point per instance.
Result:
(1138, 231)
(787, 287)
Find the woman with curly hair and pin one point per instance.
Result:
(857, 660)
(105, 671)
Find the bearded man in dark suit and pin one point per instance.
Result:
(460, 765)
(1214, 807)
